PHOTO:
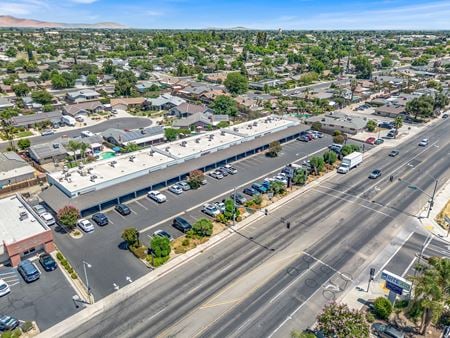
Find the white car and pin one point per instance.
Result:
(87, 133)
(157, 196)
(211, 210)
(423, 143)
(39, 209)
(281, 178)
(86, 225)
(47, 218)
(184, 185)
(176, 189)
(4, 288)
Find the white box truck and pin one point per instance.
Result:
(69, 120)
(349, 162)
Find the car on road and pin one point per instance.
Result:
(163, 233)
(47, 262)
(251, 191)
(85, 225)
(100, 218)
(211, 210)
(39, 209)
(371, 140)
(240, 199)
(260, 188)
(47, 132)
(123, 209)
(382, 330)
(394, 153)
(379, 141)
(4, 288)
(181, 224)
(8, 323)
(230, 169)
(157, 196)
(87, 133)
(424, 142)
(444, 116)
(28, 271)
(184, 185)
(218, 175)
(47, 218)
(176, 189)
(375, 174)
(303, 138)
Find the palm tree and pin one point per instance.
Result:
(353, 86)
(73, 146)
(83, 148)
(398, 122)
(5, 117)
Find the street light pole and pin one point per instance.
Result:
(432, 196)
(86, 278)
(234, 206)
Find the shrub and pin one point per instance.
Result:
(185, 242)
(203, 227)
(139, 252)
(339, 139)
(27, 326)
(70, 270)
(382, 308)
(317, 163)
(371, 125)
(12, 334)
(370, 317)
(330, 157)
(160, 246)
(221, 218)
(59, 256)
(73, 275)
(131, 236)
(157, 261)
(195, 179)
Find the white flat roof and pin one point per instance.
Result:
(104, 173)
(12, 229)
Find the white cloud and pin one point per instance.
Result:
(84, 1)
(9, 8)
(152, 13)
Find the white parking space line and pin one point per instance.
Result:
(8, 273)
(132, 211)
(143, 206)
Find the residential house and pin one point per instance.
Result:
(29, 103)
(5, 103)
(14, 169)
(187, 109)
(339, 121)
(390, 110)
(164, 102)
(260, 85)
(200, 120)
(28, 121)
(82, 96)
(128, 103)
(84, 108)
(48, 152)
(143, 137)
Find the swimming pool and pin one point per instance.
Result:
(108, 154)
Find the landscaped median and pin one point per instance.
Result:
(161, 248)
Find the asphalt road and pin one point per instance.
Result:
(336, 228)
(119, 123)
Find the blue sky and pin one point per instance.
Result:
(258, 14)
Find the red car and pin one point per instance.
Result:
(371, 140)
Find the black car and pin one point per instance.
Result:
(181, 224)
(251, 192)
(47, 262)
(444, 116)
(28, 271)
(394, 153)
(8, 323)
(122, 209)
(100, 218)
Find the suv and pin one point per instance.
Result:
(8, 323)
(122, 209)
(100, 218)
(47, 262)
(28, 271)
(181, 224)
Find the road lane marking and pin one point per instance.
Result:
(327, 265)
(408, 267)
(395, 253)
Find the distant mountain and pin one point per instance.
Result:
(227, 29)
(10, 21)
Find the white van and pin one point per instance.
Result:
(69, 120)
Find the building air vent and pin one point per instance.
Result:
(183, 143)
(197, 140)
(131, 158)
(23, 215)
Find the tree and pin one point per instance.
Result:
(398, 122)
(371, 125)
(337, 320)
(42, 96)
(353, 86)
(131, 236)
(230, 209)
(11, 52)
(125, 83)
(330, 157)
(20, 89)
(203, 227)
(68, 216)
(160, 246)
(170, 134)
(277, 187)
(340, 139)
(130, 147)
(236, 83)
(196, 178)
(317, 163)
(225, 105)
(382, 308)
(316, 126)
(300, 176)
(422, 106)
(441, 100)
(108, 67)
(386, 62)
(7, 128)
(274, 149)
(24, 143)
(348, 149)
(363, 67)
(91, 80)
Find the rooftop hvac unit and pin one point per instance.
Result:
(83, 173)
(183, 143)
(222, 133)
(67, 175)
(55, 145)
(89, 170)
(65, 169)
(132, 157)
(93, 177)
(151, 152)
(197, 140)
(255, 124)
(167, 149)
(23, 215)
(81, 166)
(236, 129)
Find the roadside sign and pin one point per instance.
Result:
(394, 288)
(396, 280)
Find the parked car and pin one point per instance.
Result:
(382, 330)
(100, 218)
(47, 262)
(281, 178)
(379, 141)
(47, 218)
(375, 174)
(336, 147)
(87, 133)
(218, 175)
(220, 206)
(123, 209)
(39, 209)
(157, 196)
(371, 140)
(47, 132)
(240, 199)
(251, 191)
(181, 224)
(444, 116)
(424, 142)
(184, 185)
(85, 225)
(28, 271)
(211, 210)
(163, 233)
(4, 288)
(176, 189)
(386, 125)
(394, 153)
(390, 136)
(303, 138)
(8, 323)
(230, 169)
(260, 188)
(223, 170)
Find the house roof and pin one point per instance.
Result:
(390, 109)
(166, 98)
(340, 119)
(82, 93)
(35, 118)
(127, 101)
(123, 137)
(46, 150)
(10, 161)
(73, 109)
(191, 108)
(192, 119)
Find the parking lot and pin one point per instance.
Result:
(113, 267)
(46, 301)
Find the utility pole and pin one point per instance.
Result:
(234, 206)
(432, 197)
(371, 277)
(86, 264)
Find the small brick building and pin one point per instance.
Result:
(22, 232)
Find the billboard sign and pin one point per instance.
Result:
(396, 280)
